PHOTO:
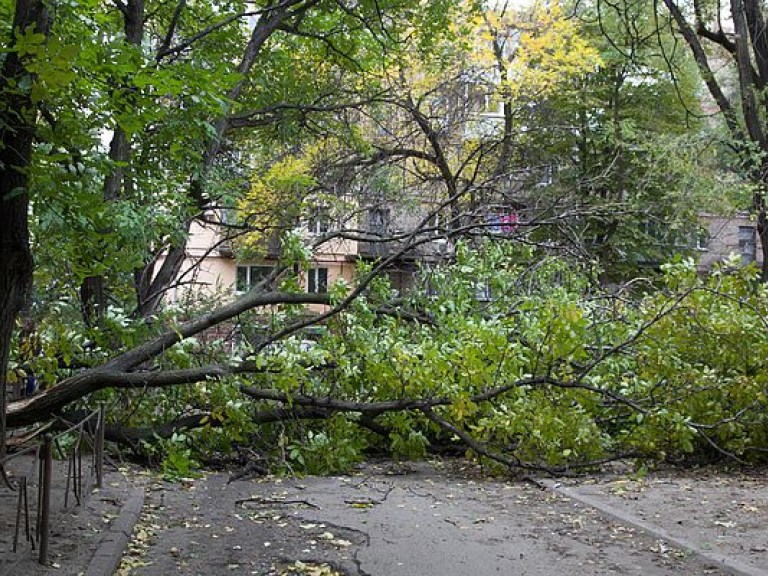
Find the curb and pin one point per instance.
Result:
(107, 558)
(721, 561)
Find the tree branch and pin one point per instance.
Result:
(702, 61)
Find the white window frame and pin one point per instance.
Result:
(315, 283)
(251, 278)
(319, 222)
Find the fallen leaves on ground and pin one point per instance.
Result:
(135, 557)
(309, 568)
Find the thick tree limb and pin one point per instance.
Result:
(116, 373)
(253, 299)
(171, 30)
(132, 436)
(376, 408)
(479, 448)
(746, 76)
(702, 61)
(757, 34)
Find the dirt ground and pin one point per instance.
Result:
(437, 518)
(424, 519)
(76, 530)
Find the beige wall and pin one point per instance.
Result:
(210, 270)
(338, 265)
(205, 272)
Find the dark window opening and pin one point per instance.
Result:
(250, 276)
(317, 280)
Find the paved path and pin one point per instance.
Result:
(423, 519)
(427, 522)
(722, 516)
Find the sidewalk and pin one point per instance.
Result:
(721, 516)
(419, 519)
(423, 520)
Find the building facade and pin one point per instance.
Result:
(212, 268)
(726, 236)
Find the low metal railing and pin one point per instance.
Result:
(88, 431)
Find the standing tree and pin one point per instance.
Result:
(162, 83)
(17, 133)
(729, 43)
(623, 142)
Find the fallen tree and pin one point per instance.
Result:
(542, 377)
(506, 351)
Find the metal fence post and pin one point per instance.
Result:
(45, 504)
(19, 508)
(99, 448)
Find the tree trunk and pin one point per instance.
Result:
(17, 131)
(759, 207)
(747, 46)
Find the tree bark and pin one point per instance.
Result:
(746, 77)
(17, 132)
(705, 70)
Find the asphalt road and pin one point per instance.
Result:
(419, 520)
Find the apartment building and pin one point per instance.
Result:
(728, 235)
(212, 268)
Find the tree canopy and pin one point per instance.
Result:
(550, 147)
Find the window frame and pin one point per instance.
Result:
(246, 284)
(379, 220)
(319, 222)
(315, 283)
(747, 243)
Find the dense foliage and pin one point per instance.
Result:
(520, 361)
(550, 372)
(582, 127)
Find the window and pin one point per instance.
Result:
(249, 276)
(319, 222)
(431, 286)
(483, 291)
(546, 176)
(747, 244)
(228, 216)
(492, 105)
(702, 240)
(433, 224)
(655, 230)
(317, 280)
(378, 221)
